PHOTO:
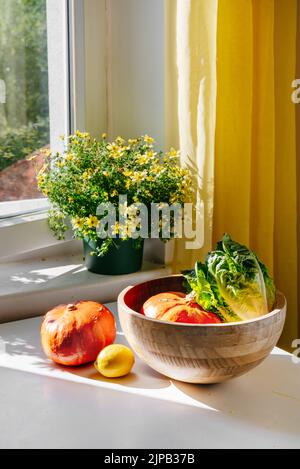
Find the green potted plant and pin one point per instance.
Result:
(92, 172)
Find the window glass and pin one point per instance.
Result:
(24, 107)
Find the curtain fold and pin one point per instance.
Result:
(285, 202)
(193, 50)
(233, 63)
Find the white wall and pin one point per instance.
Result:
(136, 58)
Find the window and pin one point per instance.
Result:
(86, 83)
(34, 101)
(24, 103)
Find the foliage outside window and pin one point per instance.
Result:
(24, 116)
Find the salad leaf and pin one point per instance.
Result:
(270, 286)
(232, 283)
(205, 292)
(239, 278)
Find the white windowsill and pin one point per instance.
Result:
(30, 287)
(19, 207)
(77, 408)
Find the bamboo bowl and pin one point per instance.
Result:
(201, 353)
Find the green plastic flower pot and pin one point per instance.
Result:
(123, 257)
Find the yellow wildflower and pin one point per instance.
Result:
(78, 223)
(128, 185)
(114, 193)
(142, 159)
(104, 136)
(173, 153)
(139, 176)
(87, 175)
(40, 179)
(150, 154)
(148, 139)
(69, 157)
(116, 150)
(120, 140)
(128, 173)
(157, 169)
(92, 222)
(147, 193)
(70, 200)
(82, 134)
(60, 164)
(133, 141)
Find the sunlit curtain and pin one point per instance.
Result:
(191, 102)
(229, 84)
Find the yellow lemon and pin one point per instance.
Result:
(115, 361)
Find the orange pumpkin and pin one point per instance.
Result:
(177, 307)
(75, 334)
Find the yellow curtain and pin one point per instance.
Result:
(191, 99)
(229, 76)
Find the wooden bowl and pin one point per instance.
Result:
(196, 353)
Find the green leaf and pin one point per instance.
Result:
(206, 293)
(270, 286)
(239, 278)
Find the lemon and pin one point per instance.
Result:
(115, 361)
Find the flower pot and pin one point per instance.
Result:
(123, 257)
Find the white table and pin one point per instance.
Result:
(46, 406)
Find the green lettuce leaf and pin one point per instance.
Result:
(203, 289)
(239, 278)
(233, 283)
(270, 286)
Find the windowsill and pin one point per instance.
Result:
(18, 208)
(77, 408)
(30, 287)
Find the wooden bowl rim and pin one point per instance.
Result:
(280, 304)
